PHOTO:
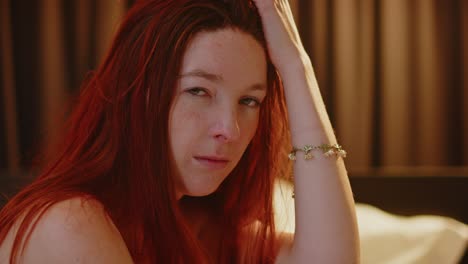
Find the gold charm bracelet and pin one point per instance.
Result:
(328, 151)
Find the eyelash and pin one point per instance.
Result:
(256, 102)
(196, 91)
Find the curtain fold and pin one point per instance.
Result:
(10, 149)
(58, 64)
(464, 39)
(110, 12)
(430, 109)
(395, 86)
(52, 83)
(47, 48)
(393, 74)
(352, 101)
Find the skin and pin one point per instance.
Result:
(72, 231)
(216, 109)
(215, 113)
(326, 227)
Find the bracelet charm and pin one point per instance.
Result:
(327, 150)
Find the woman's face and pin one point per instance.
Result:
(216, 108)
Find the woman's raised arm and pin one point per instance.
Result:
(326, 226)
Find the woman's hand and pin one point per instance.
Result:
(284, 44)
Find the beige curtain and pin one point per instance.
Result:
(393, 74)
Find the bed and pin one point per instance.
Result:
(423, 218)
(403, 219)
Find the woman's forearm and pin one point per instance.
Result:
(326, 227)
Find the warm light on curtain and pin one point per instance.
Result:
(392, 73)
(393, 76)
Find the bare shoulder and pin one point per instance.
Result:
(76, 230)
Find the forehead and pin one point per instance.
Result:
(231, 54)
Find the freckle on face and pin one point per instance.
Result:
(197, 121)
(187, 114)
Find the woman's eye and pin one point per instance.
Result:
(251, 102)
(197, 91)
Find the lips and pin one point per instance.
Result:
(212, 162)
(212, 158)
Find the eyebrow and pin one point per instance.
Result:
(216, 78)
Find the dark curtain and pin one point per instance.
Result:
(47, 48)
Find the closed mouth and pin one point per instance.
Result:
(212, 163)
(213, 159)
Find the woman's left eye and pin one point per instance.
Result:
(251, 102)
(197, 91)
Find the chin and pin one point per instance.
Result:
(199, 191)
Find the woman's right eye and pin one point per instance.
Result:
(197, 91)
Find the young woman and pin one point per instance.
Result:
(175, 143)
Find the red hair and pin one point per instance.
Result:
(115, 148)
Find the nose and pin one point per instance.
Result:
(226, 127)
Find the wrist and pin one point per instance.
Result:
(301, 64)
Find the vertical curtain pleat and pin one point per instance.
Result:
(52, 71)
(464, 44)
(365, 87)
(352, 101)
(83, 42)
(345, 62)
(393, 73)
(8, 100)
(449, 58)
(317, 31)
(109, 14)
(391, 78)
(430, 105)
(396, 103)
(53, 56)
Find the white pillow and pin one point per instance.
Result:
(390, 239)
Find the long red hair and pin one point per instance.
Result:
(115, 148)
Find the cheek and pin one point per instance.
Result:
(185, 121)
(186, 114)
